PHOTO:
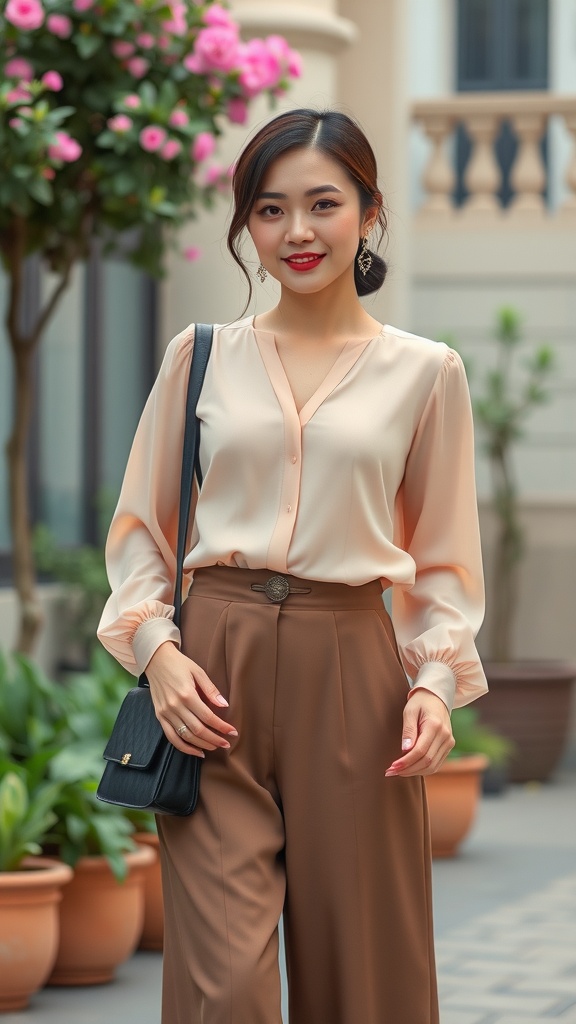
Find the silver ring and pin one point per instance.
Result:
(181, 730)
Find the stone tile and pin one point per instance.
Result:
(532, 1005)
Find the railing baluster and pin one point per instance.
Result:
(482, 176)
(438, 178)
(528, 174)
(570, 178)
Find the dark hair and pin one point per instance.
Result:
(340, 138)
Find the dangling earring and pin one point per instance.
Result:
(262, 273)
(364, 257)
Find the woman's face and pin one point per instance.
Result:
(306, 221)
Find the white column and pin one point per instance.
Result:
(213, 288)
(374, 88)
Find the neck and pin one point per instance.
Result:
(323, 315)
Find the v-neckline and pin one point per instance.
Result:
(343, 363)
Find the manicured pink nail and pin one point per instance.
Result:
(221, 701)
(406, 744)
(390, 772)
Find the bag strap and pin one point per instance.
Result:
(191, 450)
(190, 457)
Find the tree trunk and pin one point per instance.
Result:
(23, 560)
(23, 346)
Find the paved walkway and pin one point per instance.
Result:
(505, 913)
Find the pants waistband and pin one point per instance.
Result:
(266, 587)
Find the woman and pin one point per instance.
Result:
(337, 462)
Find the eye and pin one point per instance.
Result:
(269, 211)
(325, 204)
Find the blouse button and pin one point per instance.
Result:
(294, 459)
(289, 508)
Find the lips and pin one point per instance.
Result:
(304, 260)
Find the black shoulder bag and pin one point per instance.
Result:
(143, 769)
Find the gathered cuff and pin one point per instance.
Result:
(438, 678)
(151, 633)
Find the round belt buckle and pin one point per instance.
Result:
(276, 588)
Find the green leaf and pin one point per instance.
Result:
(41, 190)
(87, 45)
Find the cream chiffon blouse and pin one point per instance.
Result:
(373, 479)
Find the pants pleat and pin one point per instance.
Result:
(299, 818)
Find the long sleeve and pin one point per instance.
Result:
(437, 618)
(141, 545)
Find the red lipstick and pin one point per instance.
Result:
(304, 260)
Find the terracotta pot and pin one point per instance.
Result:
(453, 793)
(529, 702)
(153, 928)
(29, 926)
(100, 920)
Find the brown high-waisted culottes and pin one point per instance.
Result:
(298, 818)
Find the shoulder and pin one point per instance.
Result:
(434, 359)
(424, 350)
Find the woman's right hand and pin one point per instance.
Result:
(180, 689)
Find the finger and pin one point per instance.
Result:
(198, 733)
(202, 713)
(177, 741)
(208, 688)
(424, 760)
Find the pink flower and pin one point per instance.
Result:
(26, 111)
(19, 68)
(18, 94)
(237, 110)
(52, 80)
(164, 42)
(170, 149)
(132, 101)
(217, 15)
(217, 48)
(82, 5)
(278, 46)
(260, 69)
(15, 122)
(145, 40)
(65, 148)
(59, 25)
(213, 174)
(193, 63)
(295, 64)
(178, 118)
(120, 123)
(122, 49)
(192, 253)
(48, 172)
(138, 66)
(177, 24)
(25, 14)
(203, 146)
(152, 138)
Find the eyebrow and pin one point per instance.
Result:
(310, 192)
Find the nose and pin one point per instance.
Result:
(299, 229)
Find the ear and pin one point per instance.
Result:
(369, 220)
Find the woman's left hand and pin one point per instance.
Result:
(426, 735)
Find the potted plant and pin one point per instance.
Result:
(95, 839)
(529, 701)
(30, 886)
(454, 791)
(62, 730)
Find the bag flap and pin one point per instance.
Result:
(137, 733)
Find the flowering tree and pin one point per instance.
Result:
(109, 116)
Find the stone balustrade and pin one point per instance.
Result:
(482, 115)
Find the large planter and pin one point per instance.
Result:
(100, 920)
(453, 793)
(152, 937)
(530, 702)
(29, 928)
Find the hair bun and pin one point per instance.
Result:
(374, 278)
